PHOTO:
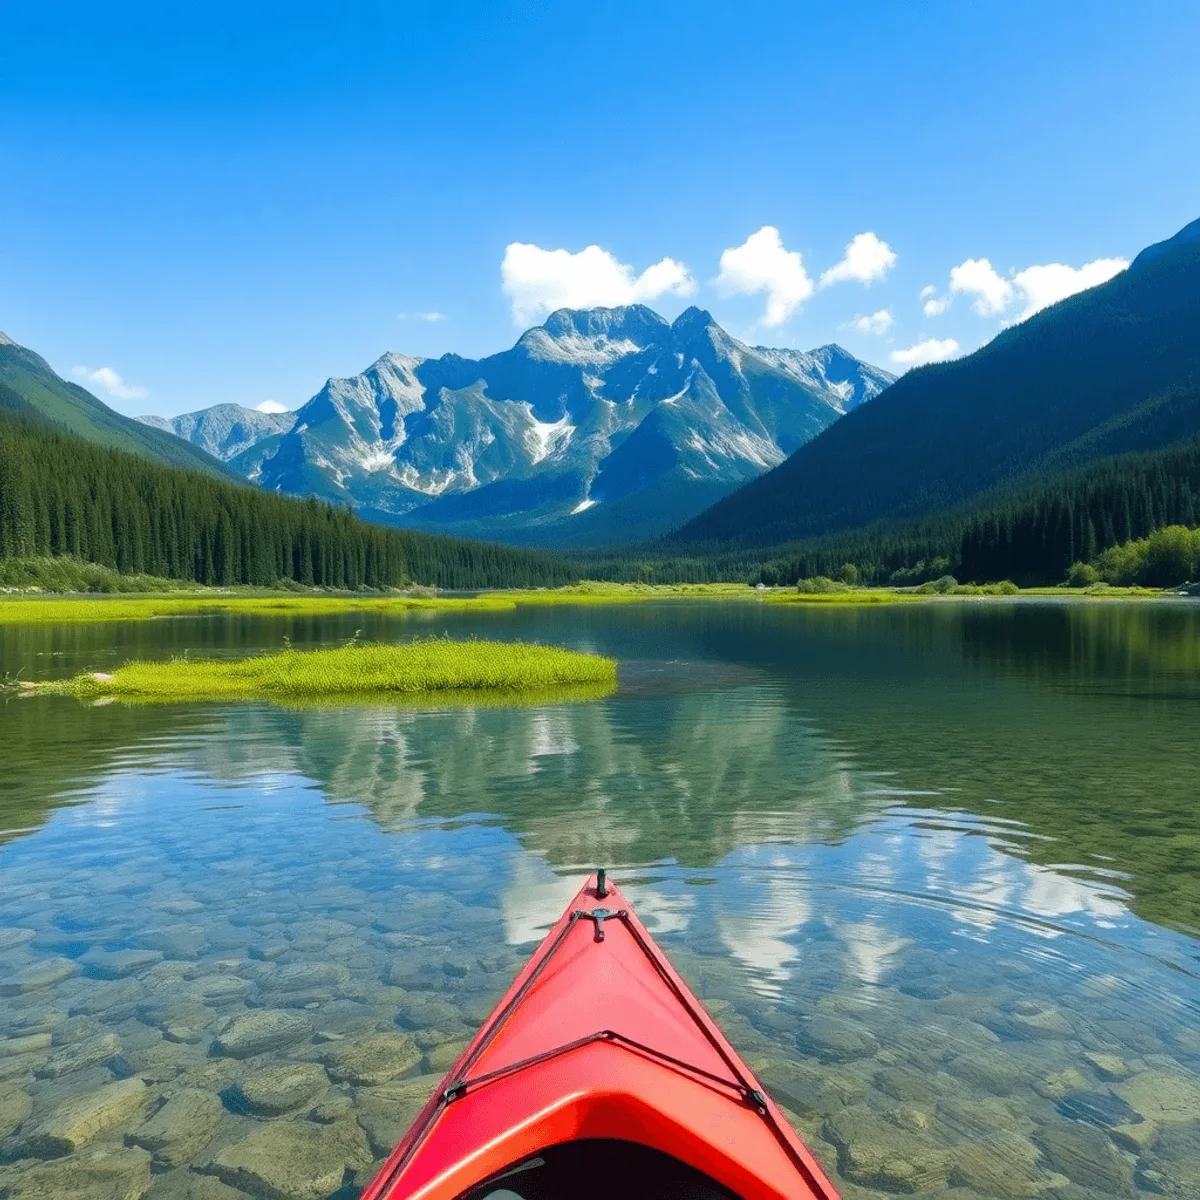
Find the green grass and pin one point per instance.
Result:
(428, 666)
(51, 610)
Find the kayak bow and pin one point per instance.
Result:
(600, 1070)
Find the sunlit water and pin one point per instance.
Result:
(936, 871)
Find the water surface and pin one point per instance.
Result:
(936, 869)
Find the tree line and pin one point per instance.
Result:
(61, 496)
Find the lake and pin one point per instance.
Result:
(935, 869)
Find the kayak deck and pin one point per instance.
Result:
(599, 1059)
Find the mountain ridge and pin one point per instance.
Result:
(602, 424)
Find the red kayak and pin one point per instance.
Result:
(599, 1073)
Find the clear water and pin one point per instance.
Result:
(935, 869)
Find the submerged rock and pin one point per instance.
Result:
(15, 1107)
(275, 1090)
(1165, 1097)
(372, 1060)
(387, 1112)
(1084, 1155)
(78, 1055)
(36, 976)
(98, 1175)
(182, 1184)
(999, 1164)
(257, 1032)
(77, 1120)
(116, 964)
(835, 1039)
(181, 1128)
(877, 1154)
(292, 1160)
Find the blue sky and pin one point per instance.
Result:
(236, 201)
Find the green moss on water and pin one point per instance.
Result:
(435, 666)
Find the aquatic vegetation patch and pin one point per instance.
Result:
(428, 666)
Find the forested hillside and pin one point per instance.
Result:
(29, 386)
(60, 495)
(1107, 371)
(1031, 535)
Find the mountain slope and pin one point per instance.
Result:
(49, 398)
(598, 426)
(1109, 370)
(226, 431)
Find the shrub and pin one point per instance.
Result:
(1082, 575)
(942, 586)
(849, 574)
(817, 585)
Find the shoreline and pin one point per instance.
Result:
(73, 608)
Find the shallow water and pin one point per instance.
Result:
(935, 869)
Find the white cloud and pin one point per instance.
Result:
(877, 322)
(111, 382)
(977, 277)
(420, 316)
(762, 264)
(1045, 285)
(1037, 286)
(934, 305)
(539, 281)
(931, 350)
(271, 406)
(868, 258)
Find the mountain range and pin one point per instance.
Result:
(1108, 371)
(600, 426)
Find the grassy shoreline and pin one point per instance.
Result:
(62, 609)
(427, 666)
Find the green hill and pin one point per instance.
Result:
(30, 387)
(1108, 371)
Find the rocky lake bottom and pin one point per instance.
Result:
(239, 946)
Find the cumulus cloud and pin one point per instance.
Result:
(931, 350)
(1045, 285)
(271, 406)
(420, 316)
(933, 305)
(110, 381)
(868, 258)
(1035, 287)
(977, 277)
(539, 281)
(761, 264)
(877, 322)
